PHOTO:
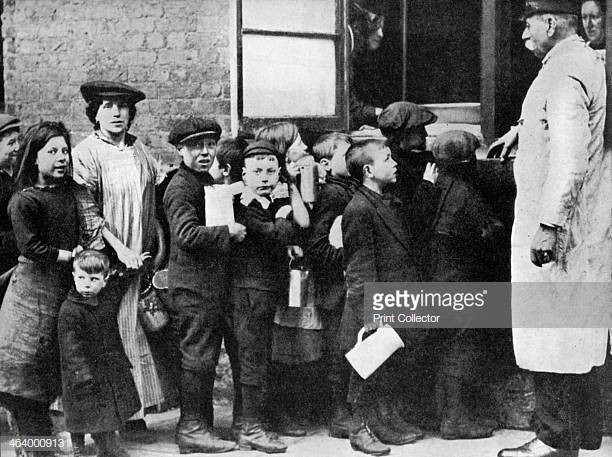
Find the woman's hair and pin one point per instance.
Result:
(34, 139)
(92, 262)
(91, 110)
(280, 134)
(230, 152)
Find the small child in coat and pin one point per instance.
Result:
(325, 255)
(99, 393)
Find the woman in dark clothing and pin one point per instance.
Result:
(9, 146)
(45, 215)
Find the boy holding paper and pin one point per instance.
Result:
(378, 247)
(198, 282)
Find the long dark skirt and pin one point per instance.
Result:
(29, 356)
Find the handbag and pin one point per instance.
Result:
(151, 311)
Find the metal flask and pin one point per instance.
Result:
(301, 288)
(309, 177)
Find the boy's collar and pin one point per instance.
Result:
(248, 195)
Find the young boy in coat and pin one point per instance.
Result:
(98, 390)
(199, 283)
(327, 263)
(378, 247)
(260, 272)
(464, 234)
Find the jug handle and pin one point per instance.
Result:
(360, 334)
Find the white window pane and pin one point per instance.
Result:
(288, 76)
(290, 15)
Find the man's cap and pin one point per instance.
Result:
(8, 122)
(551, 6)
(455, 146)
(260, 147)
(404, 116)
(111, 89)
(193, 128)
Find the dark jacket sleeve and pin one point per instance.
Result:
(71, 334)
(189, 231)
(360, 253)
(278, 232)
(321, 253)
(25, 217)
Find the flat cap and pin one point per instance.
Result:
(111, 89)
(192, 128)
(260, 147)
(404, 116)
(8, 122)
(455, 146)
(551, 6)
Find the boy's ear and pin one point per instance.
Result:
(367, 171)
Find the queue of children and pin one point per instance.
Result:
(228, 281)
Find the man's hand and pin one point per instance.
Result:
(504, 145)
(237, 231)
(544, 246)
(431, 173)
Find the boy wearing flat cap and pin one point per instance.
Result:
(197, 277)
(260, 273)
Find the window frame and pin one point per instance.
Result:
(338, 121)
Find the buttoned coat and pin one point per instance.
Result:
(378, 247)
(562, 174)
(99, 393)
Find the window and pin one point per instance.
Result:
(292, 63)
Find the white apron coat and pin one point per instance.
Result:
(563, 179)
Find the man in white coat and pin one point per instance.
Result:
(562, 225)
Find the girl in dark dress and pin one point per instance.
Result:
(45, 216)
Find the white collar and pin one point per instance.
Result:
(248, 196)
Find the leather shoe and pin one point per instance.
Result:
(463, 428)
(193, 436)
(536, 448)
(364, 440)
(287, 426)
(253, 436)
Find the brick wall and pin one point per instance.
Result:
(176, 51)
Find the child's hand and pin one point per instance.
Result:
(431, 173)
(283, 212)
(295, 252)
(292, 171)
(76, 250)
(237, 231)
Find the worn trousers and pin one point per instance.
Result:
(568, 411)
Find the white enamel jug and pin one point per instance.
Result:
(369, 354)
